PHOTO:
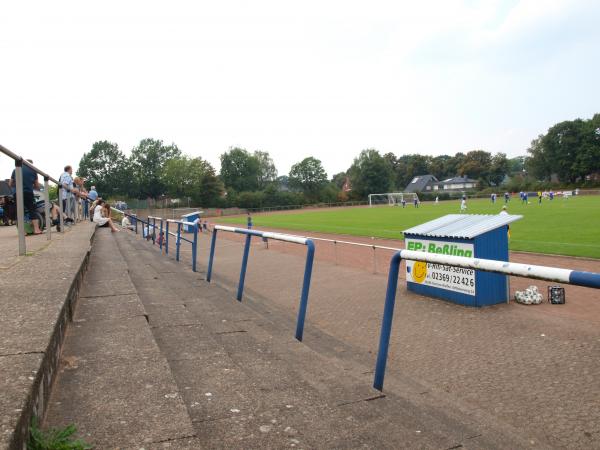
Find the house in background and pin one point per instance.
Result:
(457, 184)
(429, 183)
(422, 183)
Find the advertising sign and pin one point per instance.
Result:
(455, 279)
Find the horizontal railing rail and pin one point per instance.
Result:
(19, 163)
(574, 277)
(165, 233)
(265, 235)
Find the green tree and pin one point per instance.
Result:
(476, 164)
(211, 188)
(408, 167)
(308, 176)
(500, 167)
(267, 173)
(516, 164)
(339, 179)
(148, 160)
(442, 167)
(570, 149)
(105, 167)
(240, 170)
(370, 174)
(194, 178)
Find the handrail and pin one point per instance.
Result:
(22, 160)
(19, 162)
(310, 253)
(574, 277)
(166, 233)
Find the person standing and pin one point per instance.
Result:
(66, 184)
(92, 197)
(30, 182)
(463, 205)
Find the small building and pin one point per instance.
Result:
(191, 217)
(457, 184)
(469, 235)
(429, 183)
(422, 183)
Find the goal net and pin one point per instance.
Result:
(392, 198)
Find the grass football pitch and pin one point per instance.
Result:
(561, 226)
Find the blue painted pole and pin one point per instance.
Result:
(240, 291)
(386, 323)
(310, 254)
(161, 236)
(167, 239)
(588, 279)
(178, 241)
(195, 247)
(211, 256)
(153, 230)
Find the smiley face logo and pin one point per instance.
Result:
(419, 271)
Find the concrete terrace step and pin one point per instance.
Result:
(248, 383)
(114, 383)
(37, 295)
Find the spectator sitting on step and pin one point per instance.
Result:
(126, 223)
(103, 221)
(106, 211)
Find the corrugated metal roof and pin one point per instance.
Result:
(466, 226)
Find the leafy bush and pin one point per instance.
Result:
(54, 439)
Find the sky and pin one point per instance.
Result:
(297, 79)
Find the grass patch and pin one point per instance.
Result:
(54, 439)
(564, 227)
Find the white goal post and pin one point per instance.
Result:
(392, 198)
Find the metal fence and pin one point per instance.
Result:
(566, 276)
(149, 229)
(265, 235)
(73, 203)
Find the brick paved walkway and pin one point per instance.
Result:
(533, 368)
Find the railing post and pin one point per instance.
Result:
(136, 224)
(374, 259)
(240, 291)
(386, 322)
(167, 239)
(61, 218)
(178, 241)
(310, 253)
(211, 256)
(47, 209)
(335, 252)
(161, 236)
(154, 230)
(195, 247)
(20, 206)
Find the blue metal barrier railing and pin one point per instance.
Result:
(310, 253)
(586, 279)
(164, 233)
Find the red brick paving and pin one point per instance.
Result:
(535, 368)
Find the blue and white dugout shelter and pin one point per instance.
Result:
(190, 218)
(468, 235)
